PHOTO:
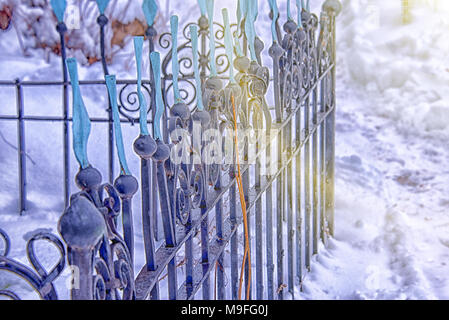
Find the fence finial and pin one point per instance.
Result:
(299, 10)
(138, 47)
(202, 4)
(228, 43)
(241, 13)
(179, 108)
(59, 7)
(149, 8)
(275, 10)
(81, 122)
(289, 13)
(111, 84)
(194, 38)
(174, 56)
(102, 5)
(156, 66)
(250, 31)
(81, 225)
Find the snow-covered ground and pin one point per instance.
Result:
(392, 202)
(392, 219)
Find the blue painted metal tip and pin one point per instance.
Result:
(111, 84)
(81, 122)
(59, 7)
(203, 8)
(156, 66)
(149, 8)
(102, 4)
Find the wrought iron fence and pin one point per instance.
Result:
(216, 142)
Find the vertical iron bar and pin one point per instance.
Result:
(82, 259)
(147, 223)
(280, 218)
(102, 20)
(330, 140)
(234, 240)
(322, 163)
(151, 33)
(21, 149)
(307, 161)
(307, 184)
(245, 185)
(61, 28)
(276, 53)
(258, 208)
(189, 259)
(299, 241)
(315, 171)
(269, 223)
(169, 228)
(172, 279)
(205, 233)
(291, 232)
(219, 224)
(205, 250)
(307, 217)
(128, 227)
(167, 219)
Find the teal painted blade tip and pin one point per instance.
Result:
(149, 8)
(138, 41)
(59, 7)
(102, 5)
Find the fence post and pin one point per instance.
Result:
(21, 149)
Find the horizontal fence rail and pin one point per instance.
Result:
(243, 192)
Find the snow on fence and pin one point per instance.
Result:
(218, 141)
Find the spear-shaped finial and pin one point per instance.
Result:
(241, 14)
(306, 6)
(102, 4)
(289, 13)
(156, 66)
(194, 38)
(179, 107)
(174, 57)
(111, 84)
(228, 43)
(299, 9)
(149, 8)
(275, 10)
(203, 9)
(250, 31)
(81, 122)
(59, 7)
(138, 47)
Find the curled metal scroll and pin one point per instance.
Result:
(185, 58)
(39, 279)
(129, 101)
